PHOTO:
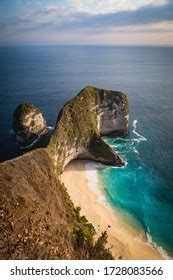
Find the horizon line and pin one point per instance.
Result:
(87, 45)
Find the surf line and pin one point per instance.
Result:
(141, 137)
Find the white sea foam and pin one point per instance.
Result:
(50, 127)
(30, 145)
(135, 150)
(131, 141)
(141, 137)
(93, 180)
(158, 248)
(91, 175)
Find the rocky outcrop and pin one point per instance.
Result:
(81, 123)
(28, 124)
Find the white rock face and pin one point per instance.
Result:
(112, 117)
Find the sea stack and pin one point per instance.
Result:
(28, 124)
(81, 123)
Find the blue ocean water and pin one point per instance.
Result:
(48, 76)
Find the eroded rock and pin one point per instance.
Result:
(28, 124)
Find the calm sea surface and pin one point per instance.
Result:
(50, 76)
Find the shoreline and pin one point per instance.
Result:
(126, 241)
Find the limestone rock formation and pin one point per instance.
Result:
(81, 123)
(28, 124)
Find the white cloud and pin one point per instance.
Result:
(111, 6)
(92, 7)
(69, 10)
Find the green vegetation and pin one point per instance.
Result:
(83, 237)
(75, 119)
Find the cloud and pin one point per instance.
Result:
(60, 16)
(74, 19)
(145, 15)
(95, 7)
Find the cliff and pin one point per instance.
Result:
(81, 123)
(38, 219)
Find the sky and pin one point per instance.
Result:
(91, 22)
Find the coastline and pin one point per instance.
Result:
(126, 241)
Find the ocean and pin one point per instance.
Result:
(48, 76)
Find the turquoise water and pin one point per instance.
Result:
(138, 192)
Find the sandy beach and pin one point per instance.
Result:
(126, 241)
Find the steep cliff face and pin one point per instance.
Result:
(113, 113)
(81, 123)
(28, 124)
